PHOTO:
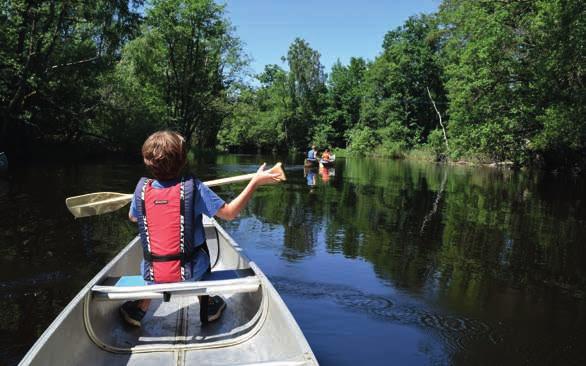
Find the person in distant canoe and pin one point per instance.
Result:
(312, 154)
(168, 209)
(326, 156)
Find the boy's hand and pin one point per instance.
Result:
(263, 177)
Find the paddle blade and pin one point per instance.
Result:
(97, 203)
(278, 169)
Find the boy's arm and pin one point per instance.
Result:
(132, 212)
(231, 210)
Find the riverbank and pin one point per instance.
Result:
(420, 154)
(95, 150)
(429, 155)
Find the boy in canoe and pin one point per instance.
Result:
(168, 209)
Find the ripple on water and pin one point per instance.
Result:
(361, 300)
(35, 280)
(455, 331)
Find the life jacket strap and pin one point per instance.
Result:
(183, 257)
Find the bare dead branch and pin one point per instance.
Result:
(440, 119)
(73, 63)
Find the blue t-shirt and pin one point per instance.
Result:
(311, 155)
(205, 201)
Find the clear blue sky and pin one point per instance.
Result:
(336, 28)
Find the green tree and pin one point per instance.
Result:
(274, 109)
(345, 91)
(558, 44)
(185, 60)
(488, 77)
(52, 55)
(306, 90)
(396, 82)
(259, 115)
(515, 78)
(395, 111)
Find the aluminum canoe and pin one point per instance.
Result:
(256, 327)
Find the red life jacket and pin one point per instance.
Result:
(166, 228)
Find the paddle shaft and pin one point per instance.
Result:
(222, 181)
(210, 183)
(120, 200)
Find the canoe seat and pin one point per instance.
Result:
(217, 282)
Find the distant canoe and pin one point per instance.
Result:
(328, 163)
(311, 163)
(256, 328)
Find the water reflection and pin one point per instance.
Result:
(45, 255)
(494, 247)
(489, 264)
(310, 176)
(326, 173)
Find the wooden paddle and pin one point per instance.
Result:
(103, 202)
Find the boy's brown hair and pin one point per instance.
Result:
(164, 153)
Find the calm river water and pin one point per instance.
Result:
(385, 262)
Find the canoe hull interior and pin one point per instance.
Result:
(255, 327)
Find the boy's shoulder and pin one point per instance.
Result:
(176, 180)
(197, 184)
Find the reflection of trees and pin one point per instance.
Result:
(46, 256)
(377, 216)
(481, 209)
(438, 198)
(488, 227)
(300, 233)
(496, 231)
(489, 234)
(293, 208)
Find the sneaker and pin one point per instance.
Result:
(131, 313)
(211, 309)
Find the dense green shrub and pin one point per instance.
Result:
(362, 140)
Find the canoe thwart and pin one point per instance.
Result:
(217, 282)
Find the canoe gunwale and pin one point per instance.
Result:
(270, 291)
(54, 326)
